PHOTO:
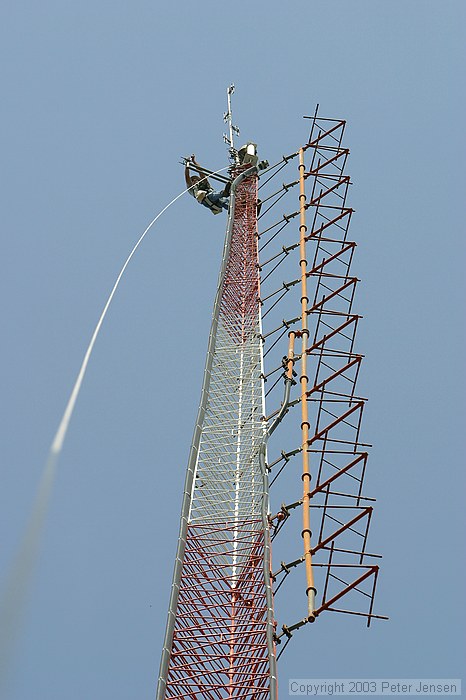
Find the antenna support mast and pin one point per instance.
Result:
(232, 129)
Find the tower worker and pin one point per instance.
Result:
(202, 190)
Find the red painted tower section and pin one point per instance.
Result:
(222, 634)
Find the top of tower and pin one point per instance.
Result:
(232, 129)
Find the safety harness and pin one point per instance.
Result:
(202, 197)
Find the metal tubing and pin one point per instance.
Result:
(349, 587)
(305, 425)
(344, 527)
(204, 171)
(317, 436)
(265, 520)
(317, 387)
(337, 474)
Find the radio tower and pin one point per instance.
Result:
(221, 636)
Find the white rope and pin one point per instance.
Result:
(15, 591)
(59, 438)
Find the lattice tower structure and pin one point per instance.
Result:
(220, 634)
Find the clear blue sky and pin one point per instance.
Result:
(99, 101)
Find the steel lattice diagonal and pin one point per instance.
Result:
(220, 636)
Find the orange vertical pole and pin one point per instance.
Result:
(305, 425)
